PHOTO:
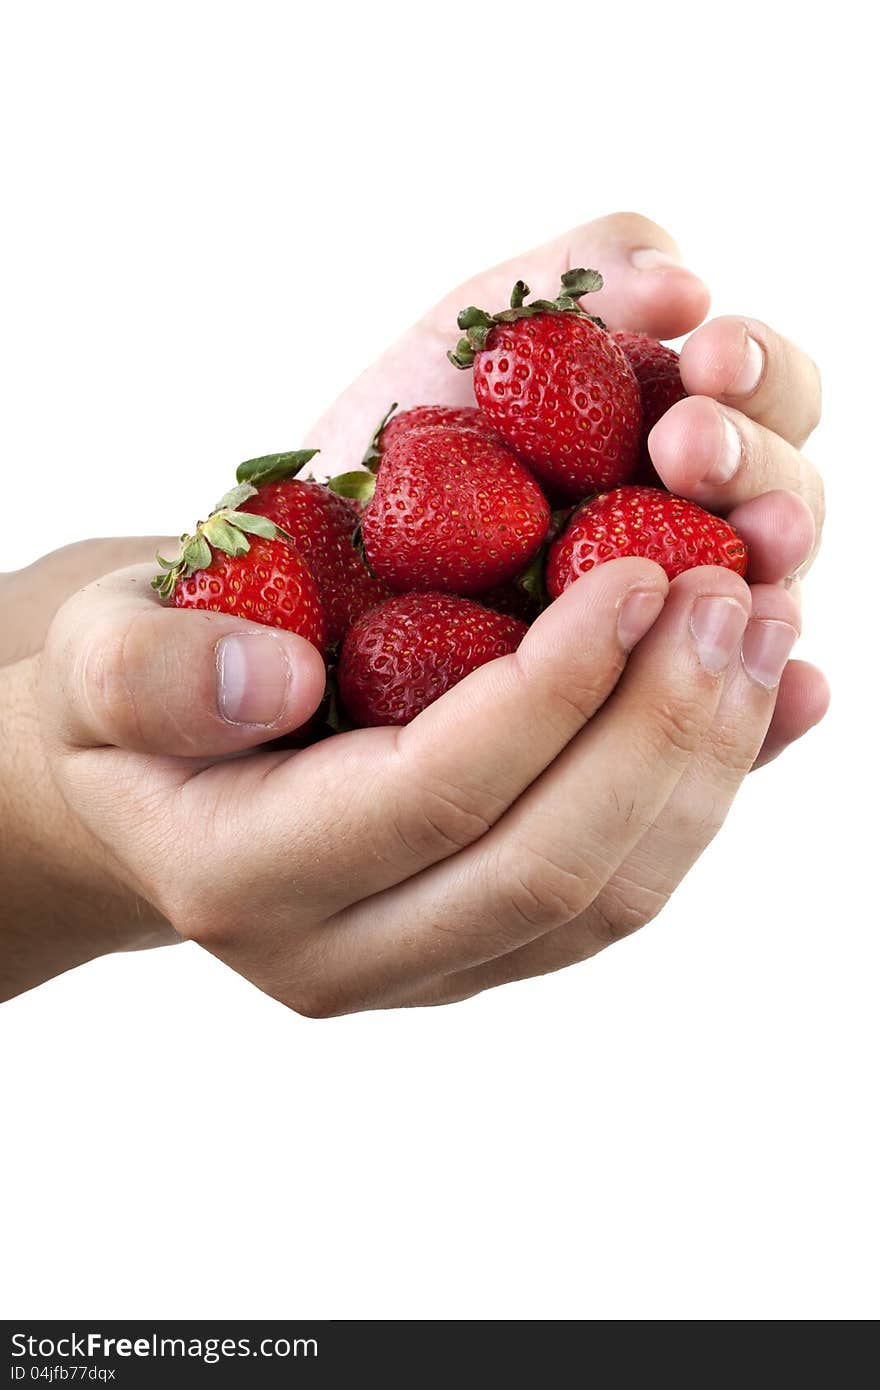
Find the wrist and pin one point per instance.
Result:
(62, 902)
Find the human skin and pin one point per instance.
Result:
(544, 807)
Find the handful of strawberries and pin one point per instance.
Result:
(464, 522)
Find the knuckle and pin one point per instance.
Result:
(732, 748)
(201, 908)
(570, 692)
(102, 676)
(673, 728)
(540, 893)
(623, 910)
(613, 923)
(317, 988)
(583, 694)
(441, 818)
(316, 1000)
(198, 915)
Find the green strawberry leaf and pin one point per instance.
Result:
(196, 554)
(271, 468)
(234, 498)
(578, 282)
(164, 584)
(359, 485)
(474, 318)
(477, 337)
(463, 356)
(223, 536)
(532, 578)
(254, 525)
(372, 457)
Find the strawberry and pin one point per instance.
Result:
(242, 564)
(405, 653)
(556, 387)
(419, 417)
(450, 511)
(656, 370)
(643, 521)
(321, 526)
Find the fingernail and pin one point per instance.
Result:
(766, 648)
(649, 258)
(638, 611)
(717, 626)
(253, 678)
(750, 372)
(729, 455)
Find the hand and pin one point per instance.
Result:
(544, 807)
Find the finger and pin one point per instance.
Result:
(689, 819)
(802, 702)
(780, 534)
(743, 363)
(121, 670)
(547, 859)
(721, 459)
(646, 287)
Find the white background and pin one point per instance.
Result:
(215, 215)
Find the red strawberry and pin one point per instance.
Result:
(238, 564)
(321, 526)
(656, 370)
(450, 511)
(643, 521)
(420, 417)
(405, 653)
(556, 387)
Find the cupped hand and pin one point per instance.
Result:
(547, 805)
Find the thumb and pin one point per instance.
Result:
(118, 669)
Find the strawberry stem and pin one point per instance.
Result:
(373, 455)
